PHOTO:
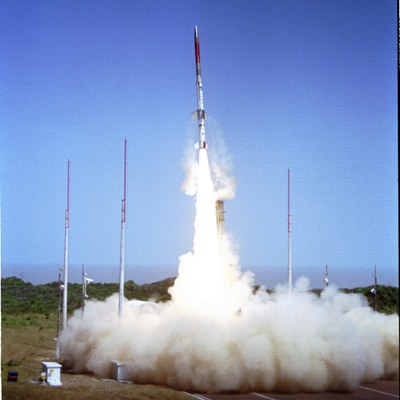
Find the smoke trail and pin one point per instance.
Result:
(224, 183)
(208, 279)
(217, 335)
(190, 168)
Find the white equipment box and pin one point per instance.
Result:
(120, 372)
(53, 373)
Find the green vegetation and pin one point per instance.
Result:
(24, 297)
(18, 296)
(386, 299)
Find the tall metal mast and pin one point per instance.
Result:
(289, 239)
(65, 294)
(60, 288)
(122, 248)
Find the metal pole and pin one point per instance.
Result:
(83, 289)
(60, 289)
(122, 248)
(289, 239)
(375, 288)
(65, 297)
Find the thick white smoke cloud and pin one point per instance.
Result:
(217, 335)
(289, 342)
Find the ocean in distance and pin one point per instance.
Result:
(268, 276)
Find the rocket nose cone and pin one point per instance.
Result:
(196, 33)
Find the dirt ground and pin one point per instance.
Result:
(86, 387)
(27, 340)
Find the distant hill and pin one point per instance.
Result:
(18, 296)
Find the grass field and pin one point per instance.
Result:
(28, 339)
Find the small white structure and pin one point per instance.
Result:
(53, 373)
(120, 371)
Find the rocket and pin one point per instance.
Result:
(201, 114)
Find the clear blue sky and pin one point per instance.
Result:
(310, 85)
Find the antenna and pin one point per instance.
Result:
(85, 281)
(326, 280)
(65, 293)
(289, 238)
(122, 248)
(375, 288)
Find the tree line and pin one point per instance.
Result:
(18, 296)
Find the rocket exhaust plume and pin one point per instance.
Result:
(217, 335)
